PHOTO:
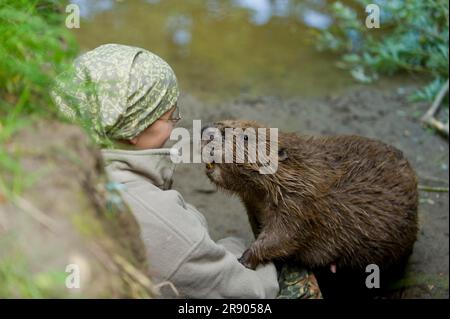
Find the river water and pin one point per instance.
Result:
(224, 49)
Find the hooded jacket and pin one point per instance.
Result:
(175, 234)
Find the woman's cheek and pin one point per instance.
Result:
(167, 135)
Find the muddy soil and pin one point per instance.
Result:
(382, 114)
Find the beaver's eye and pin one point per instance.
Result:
(282, 154)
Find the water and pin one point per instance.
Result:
(222, 49)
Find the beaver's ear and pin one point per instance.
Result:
(282, 154)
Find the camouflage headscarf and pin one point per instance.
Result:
(116, 91)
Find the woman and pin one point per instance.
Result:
(127, 97)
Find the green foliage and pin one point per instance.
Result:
(34, 47)
(413, 37)
(18, 281)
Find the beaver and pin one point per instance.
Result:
(343, 202)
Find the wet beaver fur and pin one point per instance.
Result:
(348, 201)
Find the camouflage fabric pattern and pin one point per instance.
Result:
(298, 283)
(116, 91)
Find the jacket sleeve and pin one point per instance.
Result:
(212, 270)
(180, 251)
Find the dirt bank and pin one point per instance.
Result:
(386, 115)
(66, 222)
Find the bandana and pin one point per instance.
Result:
(116, 91)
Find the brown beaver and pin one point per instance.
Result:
(345, 201)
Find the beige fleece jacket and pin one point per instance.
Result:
(175, 234)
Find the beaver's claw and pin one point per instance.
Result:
(248, 260)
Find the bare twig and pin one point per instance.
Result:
(438, 125)
(167, 283)
(433, 189)
(35, 213)
(136, 275)
(425, 177)
(429, 117)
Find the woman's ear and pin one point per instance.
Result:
(282, 154)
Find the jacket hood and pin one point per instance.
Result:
(152, 165)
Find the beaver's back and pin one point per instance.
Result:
(366, 210)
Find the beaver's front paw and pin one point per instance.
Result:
(249, 260)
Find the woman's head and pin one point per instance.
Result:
(120, 93)
(157, 133)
